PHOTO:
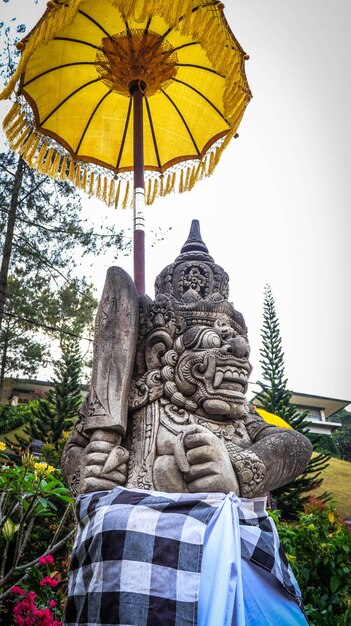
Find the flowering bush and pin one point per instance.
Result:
(42, 607)
(31, 492)
(318, 547)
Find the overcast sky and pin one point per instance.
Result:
(276, 209)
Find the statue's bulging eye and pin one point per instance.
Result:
(210, 339)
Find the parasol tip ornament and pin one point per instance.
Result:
(194, 243)
(137, 85)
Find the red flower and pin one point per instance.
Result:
(18, 590)
(49, 559)
(50, 582)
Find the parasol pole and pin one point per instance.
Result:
(137, 90)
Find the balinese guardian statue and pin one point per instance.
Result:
(167, 413)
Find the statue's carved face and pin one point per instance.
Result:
(212, 369)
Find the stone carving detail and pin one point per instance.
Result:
(251, 473)
(176, 417)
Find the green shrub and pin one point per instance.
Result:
(318, 546)
(12, 417)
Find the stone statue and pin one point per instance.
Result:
(166, 409)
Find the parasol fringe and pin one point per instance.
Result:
(78, 173)
(16, 128)
(12, 133)
(71, 172)
(23, 151)
(98, 188)
(10, 116)
(63, 168)
(187, 178)
(111, 193)
(53, 172)
(169, 183)
(105, 195)
(211, 163)
(84, 179)
(192, 179)
(32, 150)
(16, 145)
(126, 195)
(162, 187)
(166, 185)
(47, 163)
(156, 188)
(118, 190)
(148, 191)
(181, 181)
(40, 157)
(91, 184)
(198, 172)
(173, 182)
(154, 193)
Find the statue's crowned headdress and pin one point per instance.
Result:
(193, 288)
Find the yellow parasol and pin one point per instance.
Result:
(84, 65)
(272, 419)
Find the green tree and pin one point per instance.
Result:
(276, 398)
(56, 413)
(42, 236)
(33, 309)
(342, 437)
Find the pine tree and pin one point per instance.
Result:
(56, 413)
(276, 398)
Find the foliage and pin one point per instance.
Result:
(55, 414)
(30, 494)
(326, 444)
(12, 417)
(41, 285)
(276, 398)
(42, 235)
(318, 546)
(343, 416)
(342, 439)
(51, 417)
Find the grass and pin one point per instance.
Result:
(337, 482)
(11, 436)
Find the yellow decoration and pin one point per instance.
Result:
(270, 418)
(76, 67)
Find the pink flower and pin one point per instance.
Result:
(18, 590)
(32, 595)
(50, 582)
(52, 603)
(49, 559)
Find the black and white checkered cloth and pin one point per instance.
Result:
(137, 556)
(260, 543)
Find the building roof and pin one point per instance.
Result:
(329, 405)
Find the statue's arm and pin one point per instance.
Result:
(276, 457)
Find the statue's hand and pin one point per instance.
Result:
(104, 463)
(210, 468)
